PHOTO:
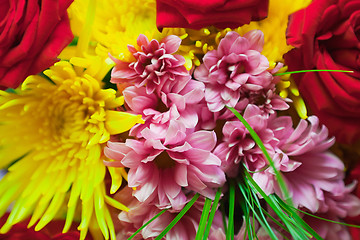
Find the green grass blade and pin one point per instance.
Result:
(325, 219)
(260, 217)
(256, 201)
(212, 213)
(250, 232)
(291, 225)
(249, 227)
(295, 225)
(253, 204)
(297, 232)
(178, 217)
(203, 219)
(230, 230)
(141, 228)
(275, 221)
(297, 217)
(258, 141)
(312, 70)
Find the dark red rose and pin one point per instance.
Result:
(326, 36)
(52, 231)
(202, 13)
(32, 34)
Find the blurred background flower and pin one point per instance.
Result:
(111, 27)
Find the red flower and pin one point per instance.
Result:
(202, 13)
(32, 34)
(326, 36)
(52, 231)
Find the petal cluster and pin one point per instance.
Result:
(237, 65)
(155, 66)
(162, 168)
(170, 155)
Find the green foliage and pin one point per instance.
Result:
(312, 70)
(178, 217)
(212, 213)
(143, 226)
(203, 219)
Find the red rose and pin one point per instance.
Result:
(326, 36)
(32, 34)
(202, 13)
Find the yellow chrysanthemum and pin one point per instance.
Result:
(115, 25)
(56, 130)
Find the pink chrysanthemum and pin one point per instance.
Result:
(155, 66)
(166, 161)
(181, 106)
(139, 213)
(266, 99)
(328, 230)
(307, 147)
(235, 66)
(297, 153)
(237, 144)
(341, 204)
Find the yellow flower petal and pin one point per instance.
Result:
(118, 122)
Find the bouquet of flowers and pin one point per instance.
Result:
(146, 119)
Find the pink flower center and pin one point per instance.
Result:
(161, 107)
(163, 161)
(257, 99)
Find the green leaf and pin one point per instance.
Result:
(141, 228)
(178, 217)
(312, 70)
(10, 90)
(249, 227)
(212, 213)
(259, 216)
(203, 219)
(325, 219)
(297, 227)
(74, 41)
(298, 219)
(106, 81)
(275, 221)
(230, 230)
